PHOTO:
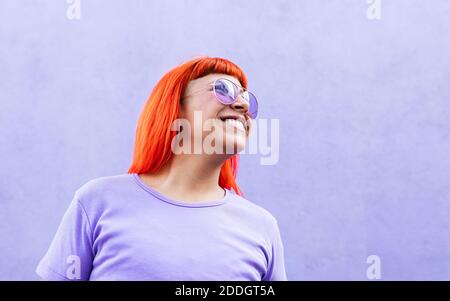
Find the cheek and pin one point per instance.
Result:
(207, 105)
(201, 113)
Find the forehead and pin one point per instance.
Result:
(202, 81)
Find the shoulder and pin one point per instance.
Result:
(258, 214)
(101, 188)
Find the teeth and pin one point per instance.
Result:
(236, 123)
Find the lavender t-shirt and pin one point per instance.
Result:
(119, 228)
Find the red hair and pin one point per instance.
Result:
(152, 148)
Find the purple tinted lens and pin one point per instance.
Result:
(225, 91)
(253, 106)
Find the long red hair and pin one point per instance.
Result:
(152, 148)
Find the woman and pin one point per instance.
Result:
(173, 216)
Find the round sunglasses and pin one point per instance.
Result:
(227, 93)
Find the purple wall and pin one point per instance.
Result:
(363, 106)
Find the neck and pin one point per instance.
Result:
(189, 177)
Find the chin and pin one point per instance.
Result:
(236, 142)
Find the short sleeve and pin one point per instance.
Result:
(70, 254)
(276, 269)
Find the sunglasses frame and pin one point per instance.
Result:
(239, 89)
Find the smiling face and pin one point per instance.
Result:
(230, 124)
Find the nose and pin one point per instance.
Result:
(240, 105)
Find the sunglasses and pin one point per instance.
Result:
(227, 93)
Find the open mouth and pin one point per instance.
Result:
(235, 123)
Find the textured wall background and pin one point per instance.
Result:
(363, 105)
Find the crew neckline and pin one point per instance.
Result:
(180, 203)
